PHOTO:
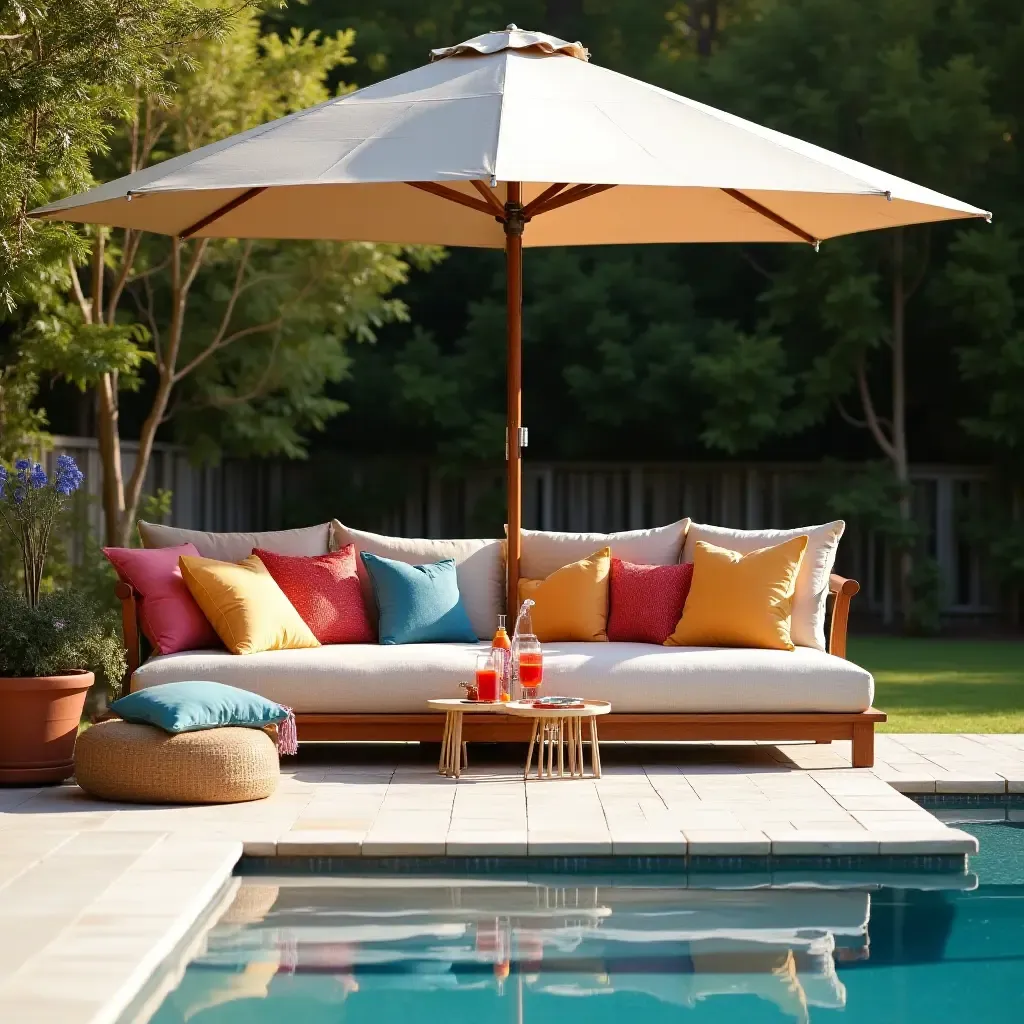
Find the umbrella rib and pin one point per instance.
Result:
(764, 211)
(453, 196)
(490, 198)
(549, 193)
(249, 193)
(574, 194)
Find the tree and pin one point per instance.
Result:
(69, 70)
(892, 85)
(981, 293)
(242, 336)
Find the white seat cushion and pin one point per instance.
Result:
(351, 678)
(344, 679)
(647, 678)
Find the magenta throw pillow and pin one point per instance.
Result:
(646, 601)
(325, 591)
(168, 614)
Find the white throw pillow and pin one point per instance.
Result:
(479, 568)
(233, 547)
(811, 595)
(546, 551)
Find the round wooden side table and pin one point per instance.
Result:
(558, 736)
(454, 755)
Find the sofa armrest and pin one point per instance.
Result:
(130, 630)
(842, 591)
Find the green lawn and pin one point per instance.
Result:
(945, 685)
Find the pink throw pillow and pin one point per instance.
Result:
(646, 600)
(168, 614)
(325, 591)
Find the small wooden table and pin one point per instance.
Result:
(558, 734)
(454, 755)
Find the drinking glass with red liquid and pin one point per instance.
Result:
(531, 666)
(486, 676)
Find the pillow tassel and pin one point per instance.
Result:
(287, 734)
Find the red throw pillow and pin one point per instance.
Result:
(326, 592)
(646, 600)
(170, 618)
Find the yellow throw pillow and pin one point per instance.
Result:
(245, 606)
(739, 600)
(571, 603)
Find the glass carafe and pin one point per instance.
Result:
(523, 632)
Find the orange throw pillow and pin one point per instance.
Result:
(571, 603)
(739, 600)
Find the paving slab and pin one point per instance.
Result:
(320, 843)
(823, 843)
(709, 843)
(911, 841)
(479, 843)
(970, 783)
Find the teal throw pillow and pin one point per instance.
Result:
(418, 604)
(189, 707)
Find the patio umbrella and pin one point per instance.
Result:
(511, 139)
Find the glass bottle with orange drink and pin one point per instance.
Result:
(501, 647)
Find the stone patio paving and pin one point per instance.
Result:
(96, 894)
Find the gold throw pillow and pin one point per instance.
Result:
(739, 600)
(245, 605)
(571, 603)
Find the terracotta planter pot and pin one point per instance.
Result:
(39, 725)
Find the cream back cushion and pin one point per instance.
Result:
(233, 547)
(479, 568)
(545, 551)
(809, 599)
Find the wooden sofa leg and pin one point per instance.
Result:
(130, 629)
(864, 745)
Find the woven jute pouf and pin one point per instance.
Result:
(142, 764)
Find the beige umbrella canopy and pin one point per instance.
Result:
(511, 139)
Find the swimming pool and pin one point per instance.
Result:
(312, 949)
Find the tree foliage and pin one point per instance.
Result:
(69, 70)
(232, 343)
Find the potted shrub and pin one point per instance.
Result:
(51, 644)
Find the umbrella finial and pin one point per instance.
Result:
(513, 38)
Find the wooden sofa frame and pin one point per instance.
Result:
(821, 727)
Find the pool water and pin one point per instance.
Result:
(312, 949)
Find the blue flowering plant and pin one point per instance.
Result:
(30, 502)
(60, 631)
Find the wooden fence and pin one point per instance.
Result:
(409, 498)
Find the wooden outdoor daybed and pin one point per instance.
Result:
(385, 725)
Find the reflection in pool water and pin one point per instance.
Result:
(312, 949)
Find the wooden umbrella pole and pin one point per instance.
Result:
(514, 224)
